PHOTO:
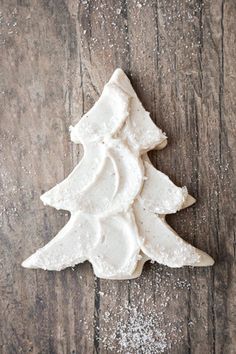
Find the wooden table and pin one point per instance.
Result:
(55, 58)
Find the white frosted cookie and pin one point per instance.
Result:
(116, 197)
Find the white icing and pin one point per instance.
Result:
(70, 246)
(139, 130)
(117, 185)
(85, 174)
(165, 198)
(117, 199)
(122, 253)
(105, 118)
(161, 243)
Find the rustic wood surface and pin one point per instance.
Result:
(56, 55)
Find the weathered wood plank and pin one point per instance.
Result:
(178, 74)
(56, 57)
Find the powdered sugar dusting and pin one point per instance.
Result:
(8, 25)
(146, 322)
(143, 332)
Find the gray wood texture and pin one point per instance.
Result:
(55, 58)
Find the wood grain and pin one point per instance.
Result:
(55, 58)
